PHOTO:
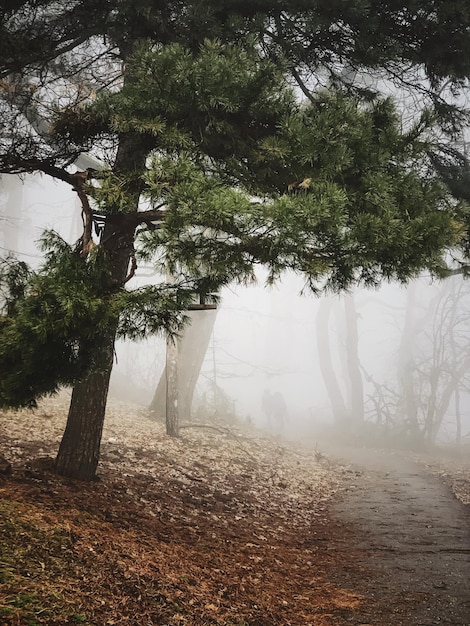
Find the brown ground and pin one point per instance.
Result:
(227, 527)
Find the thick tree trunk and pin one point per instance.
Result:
(79, 450)
(80, 447)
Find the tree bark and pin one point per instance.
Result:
(78, 454)
(172, 413)
(79, 449)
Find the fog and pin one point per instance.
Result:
(266, 338)
(412, 343)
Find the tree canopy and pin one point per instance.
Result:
(230, 134)
(56, 56)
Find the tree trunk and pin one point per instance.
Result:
(80, 446)
(434, 425)
(458, 417)
(13, 207)
(458, 414)
(326, 364)
(406, 367)
(352, 358)
(79, 449)
(172, 417)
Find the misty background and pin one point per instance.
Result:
(409, 362)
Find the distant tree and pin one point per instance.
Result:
(12, 199)
(346, 397)
(356, 387)
(432, 366)
(440, 363)
(336, 395)
(212, 165)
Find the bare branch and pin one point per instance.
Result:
(133, 267)
(87, 214)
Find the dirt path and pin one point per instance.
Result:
(412, 542)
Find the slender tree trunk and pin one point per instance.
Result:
(458, 416)
(352, 357)
(326, 364)
(406, 366)
(446, 396)
(172, 409)
(13, 207)
(445, 366)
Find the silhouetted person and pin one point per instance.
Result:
(275, 409)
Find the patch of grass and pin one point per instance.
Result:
(32, 556)
(24, 608)
(26, 548)
(22, 600)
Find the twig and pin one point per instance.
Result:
(190, 476)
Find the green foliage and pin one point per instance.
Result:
(369, 208)
(220, 101)
(210, 132)
(14, 276)
(115, 193)
(55, 320)
(41, 335)
(154, 309)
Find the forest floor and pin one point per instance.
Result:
(228, 526)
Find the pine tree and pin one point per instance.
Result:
(194, 109)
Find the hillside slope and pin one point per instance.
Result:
(223, 526)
